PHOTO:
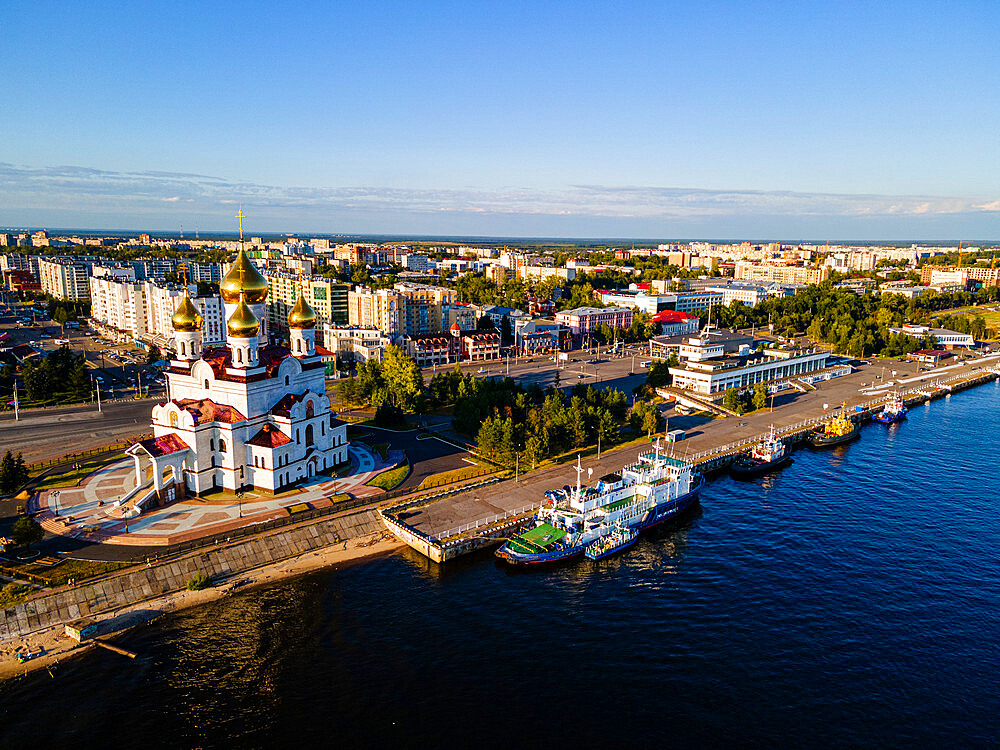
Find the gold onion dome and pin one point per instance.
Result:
(243, 278)
(243, 324)
(301, 315)
(186, 317)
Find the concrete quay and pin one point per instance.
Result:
(452, 526)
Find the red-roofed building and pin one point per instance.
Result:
(250, 414)
(676, 323)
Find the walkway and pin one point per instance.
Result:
(84, 510)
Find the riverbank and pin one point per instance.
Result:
(56, 646)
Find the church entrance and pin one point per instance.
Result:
(311, 467)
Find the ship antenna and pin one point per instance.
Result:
(579, 470)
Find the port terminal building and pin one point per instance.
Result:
(717, 359)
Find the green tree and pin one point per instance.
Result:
(78, 382)
(403, 379)
(27, 531)
(760, 396)
(7, 469)
(37, 379)
(153, 354)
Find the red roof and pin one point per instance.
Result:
(269, 437)
(163, 445)
(673, 316)
(205, 410)
(643, 285)
(323, 351)
(284, 407)
(220, 357)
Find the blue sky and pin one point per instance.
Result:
(726, 119)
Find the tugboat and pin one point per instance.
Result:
(654, 489)
(617, 541)
(837, 431)
(893, 411)
(769, 454)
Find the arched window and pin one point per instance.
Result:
(309, 410)
(297, 436)
(286, 380)
(180, 348)
(298, 345)
(213, 461)
(239, 356)
(206, 384)
(173, 419)
(222, 445)
(211, 444)
(309, 435)
(322, 427)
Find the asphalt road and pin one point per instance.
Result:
(42, 434)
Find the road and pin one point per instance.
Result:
(42, 434)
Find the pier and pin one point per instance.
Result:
(454, 525)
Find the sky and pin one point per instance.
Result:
(757, 120)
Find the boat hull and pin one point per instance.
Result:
(613, 551)
(748, 469)
(817, 440)
(652, 518)
(889, 420)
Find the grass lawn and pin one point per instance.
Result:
(13, 593)
(457, 475)
(80, 570)
(388, 480)
(991, 318)
(72, 477)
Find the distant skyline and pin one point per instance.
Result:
(715, 119)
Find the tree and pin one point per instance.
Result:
(27, 531)
(760, 396)
(153, 354)
(403, 380)
(7, 473)
(78, 382)
(731, 400)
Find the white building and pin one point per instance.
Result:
(582, 321)
(706, 369)
(64, 278)
(941, 336)
(355, 343)
(244, 415)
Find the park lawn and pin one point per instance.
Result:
(390, 479)
(72, 477)
(80, 570)
(339, 498)
(457, 475)
(14, 593)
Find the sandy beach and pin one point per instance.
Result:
(55, 645)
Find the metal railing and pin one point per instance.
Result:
(488, 521)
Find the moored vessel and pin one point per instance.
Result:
(893, 411)
(617, 541)
(646, 493)
(837, 431)
(769, 454)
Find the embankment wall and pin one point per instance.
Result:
(137, 585)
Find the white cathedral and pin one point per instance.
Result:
(250, 414)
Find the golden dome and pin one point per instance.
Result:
(243, 324)
(243, 278)
(186, 317)
(302, 315)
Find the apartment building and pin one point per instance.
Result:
(328, 298)
(583, 321)
(64, 278)
(783, 274)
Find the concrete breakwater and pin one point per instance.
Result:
(456, 525)
(219, 562)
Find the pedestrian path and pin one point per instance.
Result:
(88, 509)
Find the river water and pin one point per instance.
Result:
(851, 600)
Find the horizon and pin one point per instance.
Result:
(448, 119)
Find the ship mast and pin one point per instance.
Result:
(579, 470)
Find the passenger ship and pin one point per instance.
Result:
(652, 490)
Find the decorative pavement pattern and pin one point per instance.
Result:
(85, 510)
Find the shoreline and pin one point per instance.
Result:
(57, 646)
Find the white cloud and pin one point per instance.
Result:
(100, 191)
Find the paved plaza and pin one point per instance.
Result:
(89, 510)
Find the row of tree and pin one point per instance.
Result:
(392, 387)
(13, 472)
(62, 373)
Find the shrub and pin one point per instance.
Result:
(199, 582)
